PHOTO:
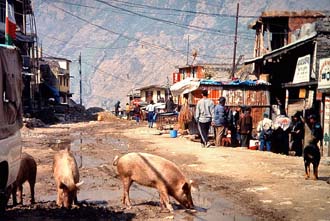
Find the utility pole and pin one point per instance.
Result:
(188, 51)
(235, 42)
(80, 82)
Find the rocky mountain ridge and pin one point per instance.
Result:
(130, 44)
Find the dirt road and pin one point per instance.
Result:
(234, 184)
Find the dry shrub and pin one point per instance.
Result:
(105, 116)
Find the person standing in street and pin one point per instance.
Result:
(169, 105)
(236, 137)
(244, 126)
(128, 110)
(204, 115)
(151, 111)
(265, 128)
(117, 106)
(220, 121)
(137, 113)
(316, 130)
(297, 134)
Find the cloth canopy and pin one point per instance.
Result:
(185, 86)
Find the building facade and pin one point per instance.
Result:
(292, 48)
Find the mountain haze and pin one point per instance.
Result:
(130, 44)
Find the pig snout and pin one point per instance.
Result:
(69, 194)
(66, 176)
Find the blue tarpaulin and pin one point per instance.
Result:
(210, 82)
(54, 91)
(234, 82)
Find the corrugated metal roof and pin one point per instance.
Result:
(282, 50)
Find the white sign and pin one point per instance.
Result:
(324, 73)
(302, 73)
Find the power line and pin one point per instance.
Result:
(103, 48)
(130, 4)
(119, 34)
(127, 37)
(139, 41)
(193, 27)
(185, 26)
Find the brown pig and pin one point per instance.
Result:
(27, 172)
(157, 172)
(66, 176)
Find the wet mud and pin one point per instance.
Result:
(100, 196)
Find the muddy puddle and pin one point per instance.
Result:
(208, 205)
(78, 145)
(105, 205)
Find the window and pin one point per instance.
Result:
(194, 72)
(149, 95)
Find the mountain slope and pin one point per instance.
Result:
(130, 44)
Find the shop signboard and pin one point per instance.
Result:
(302, 72)
(324, 74)
(326, 126)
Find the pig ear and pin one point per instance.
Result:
(185, 187)
(79, 184)
(63, 186)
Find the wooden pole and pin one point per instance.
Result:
(235, 43)
(80, 82)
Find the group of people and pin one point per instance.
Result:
(150, 109)
(235, 127)
(232, 127)
(219, 116)
(281, 140)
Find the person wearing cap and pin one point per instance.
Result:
(204, 115)
(297, 134)
(220, 121)
(265, 128)
(316, 130)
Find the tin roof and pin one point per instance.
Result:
(282, 50)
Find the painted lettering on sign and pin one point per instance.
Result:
(302, 73)
(324, 73)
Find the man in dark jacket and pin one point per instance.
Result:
(297, 134)
(317, 131)
(245, 127)
(169, 105)
(220, 122)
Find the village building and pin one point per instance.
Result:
(26, 41)
(60, 69)
(292, 51)
(157, 93)
(216, 79)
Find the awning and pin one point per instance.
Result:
(302, 84)
(24, 38)
(185, 86)
(282, 50)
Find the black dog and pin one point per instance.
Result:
(312, 155)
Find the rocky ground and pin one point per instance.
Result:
(234, 183)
